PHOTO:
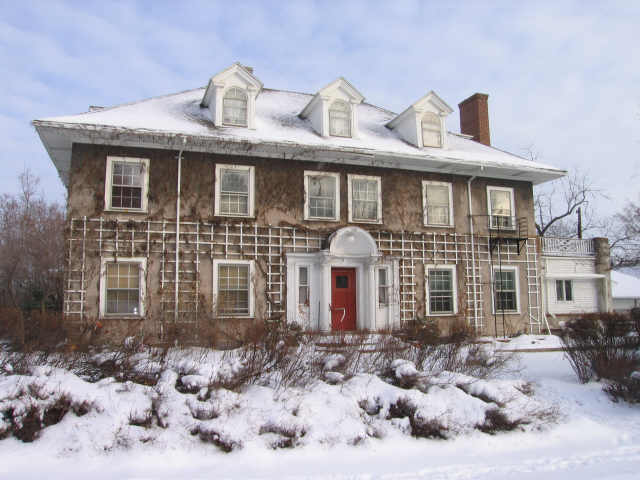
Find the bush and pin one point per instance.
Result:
(605, 346)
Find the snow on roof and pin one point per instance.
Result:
(624, 286)
(277, 121)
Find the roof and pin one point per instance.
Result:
(624, 286)
(158, 122)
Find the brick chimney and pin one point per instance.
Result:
(474, 117)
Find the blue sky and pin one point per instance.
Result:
(562, 76)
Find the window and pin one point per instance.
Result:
(431, 130)
(441, 290)
(506, 289)
(564, 290)
(233, 287)
(234, 107)
(322, 196)
(501, 209)
(303, 286)
(122, 287)
(438, 204)
(365, 200)
(340, 119)
(384, 285)
(234, 190)
(126, 184)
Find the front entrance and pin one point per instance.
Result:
(343, 298)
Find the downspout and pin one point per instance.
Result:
(177, 278)
(473, 255)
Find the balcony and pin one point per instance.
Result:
(567, 247)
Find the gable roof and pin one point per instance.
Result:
(162, 122)
(419, 105)
(339, 83)
(236, 69)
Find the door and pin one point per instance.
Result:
(343, 298)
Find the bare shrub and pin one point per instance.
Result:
(220, 440)
(605, 346)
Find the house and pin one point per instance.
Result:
(625, 290)
(210, 209)
(576, 278)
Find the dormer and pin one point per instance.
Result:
(423, 123)
(333, 111)
(231, 97)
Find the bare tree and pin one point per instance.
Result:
(624, 236)
(31, 247)
(556, 205)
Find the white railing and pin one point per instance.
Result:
(568, 247)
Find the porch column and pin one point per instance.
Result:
(324, 323)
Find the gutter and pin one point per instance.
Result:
(473, 254)
(177, 277)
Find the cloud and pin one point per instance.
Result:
(562, 76)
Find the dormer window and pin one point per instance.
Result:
(431, 132)
(234, 107)
(340, 119)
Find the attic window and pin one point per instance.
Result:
(339, 119)
(431, 132)
(234, 107)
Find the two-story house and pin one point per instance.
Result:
(217, 207)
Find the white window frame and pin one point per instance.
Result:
(505, 268)
(425, 209)
(350, 179)
(216, 263)
(349, 113)
(108, 184)
(251, 193)
(336, 177)
(142, 262)
(246, 98)
(388, 286)
(439, 126)
(564, 291)
(298, 285)
(513, 207)
(454, 285)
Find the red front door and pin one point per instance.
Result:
(343, 298)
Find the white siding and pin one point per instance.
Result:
(624, 304)
(585, 297)
(557, 266)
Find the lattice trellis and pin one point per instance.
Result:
(97, 237)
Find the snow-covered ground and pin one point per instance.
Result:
(591, 438)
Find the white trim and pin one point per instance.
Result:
(251, 193)
(349, 198)
(425, 183)
(505, 268)
(574, 276)
(454, 287)
(297, 285)
(214, 297)
(109, 180)
(491, 188)
(564, 290)
(389, 286)
(142, 285)
(336, 176)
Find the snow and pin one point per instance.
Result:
(340, 430)
(624, 285)
(277, 121)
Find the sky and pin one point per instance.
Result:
(563, 77)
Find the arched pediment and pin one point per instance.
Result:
(352, 242)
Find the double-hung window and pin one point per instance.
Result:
(501, 208)
(431, 130)
(340, 119)
(365, 199)
(384, 286)
(505, 284)
(233, 287)
(122, 287)
(126, 185)
(441, 289)
(234, 190)
(322, 196)
(564, 290)
(303, 286)
(234, 107)
(437, 200)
